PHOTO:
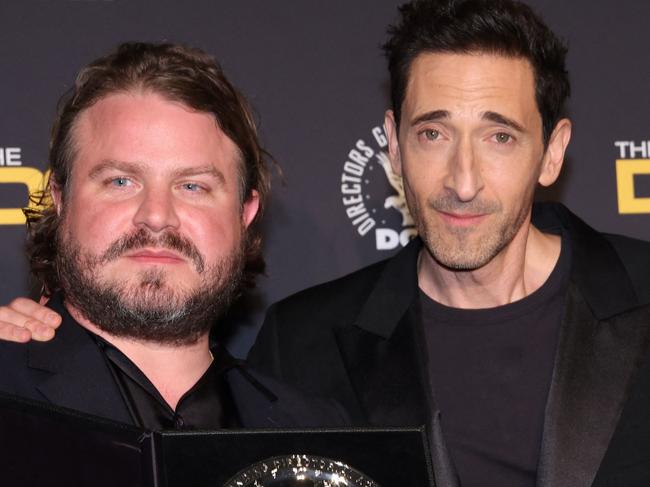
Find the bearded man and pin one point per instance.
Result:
(147, 232)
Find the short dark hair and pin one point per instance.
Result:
(178, 73)
(505, 27)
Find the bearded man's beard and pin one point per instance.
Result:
(148, 307)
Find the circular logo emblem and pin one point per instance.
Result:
(373, 195)
(300, 471)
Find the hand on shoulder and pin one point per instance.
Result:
(23, 320)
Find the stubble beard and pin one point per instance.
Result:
(149, 307)
(466, 248)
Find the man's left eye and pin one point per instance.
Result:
(503, 138)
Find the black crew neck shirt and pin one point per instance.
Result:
(208, 404)
(490, 371)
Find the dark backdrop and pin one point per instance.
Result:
(315, 74)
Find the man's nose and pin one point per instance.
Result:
(156, 211)
(464, 172)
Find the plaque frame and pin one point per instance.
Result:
(47, 445)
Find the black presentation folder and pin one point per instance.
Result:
(43, 445)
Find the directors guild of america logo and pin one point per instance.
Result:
(373, 195)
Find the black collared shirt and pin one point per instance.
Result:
(207, 405)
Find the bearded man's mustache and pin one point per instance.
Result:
(142, 238)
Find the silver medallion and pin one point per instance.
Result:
(300, 471)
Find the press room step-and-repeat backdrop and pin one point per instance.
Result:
(314, 72)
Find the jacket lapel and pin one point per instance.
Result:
(379, 350)
(77, 374)
(602, 341)
(385, 374)
(255, 403)
(389, 377)
(595, 366)
(384, 362)
(263, 402)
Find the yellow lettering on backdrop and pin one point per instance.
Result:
(626, 169)
(31, 177)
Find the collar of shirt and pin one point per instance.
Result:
(208, 404)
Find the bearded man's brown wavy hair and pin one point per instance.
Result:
(180, 74)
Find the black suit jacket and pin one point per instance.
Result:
(70, 371)
(356, 339)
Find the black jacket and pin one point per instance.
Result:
(70, 371)
(356, 340)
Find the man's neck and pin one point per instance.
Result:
(518, 270)
(172, 369)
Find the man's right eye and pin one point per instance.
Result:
(120, 182)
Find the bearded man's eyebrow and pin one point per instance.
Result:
(207, 170)
(122, 166)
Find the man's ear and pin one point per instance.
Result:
(393, 146)
(57, 196)
(554, 155)
(250, 208)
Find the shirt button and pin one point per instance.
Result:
(178, 422)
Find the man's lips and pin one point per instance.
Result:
(462, 219)
(155, 256)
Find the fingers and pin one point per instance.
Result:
(12, 333)
(24, 319)
(34, 311)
